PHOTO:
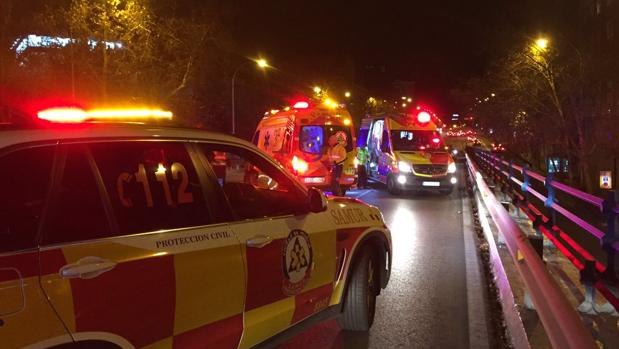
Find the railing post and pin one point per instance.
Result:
(608, 209)
(550, 199)
(587, 278)
(525, 184)
(498, 162)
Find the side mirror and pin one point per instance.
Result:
(317, 200)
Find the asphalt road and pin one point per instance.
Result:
(425, 304)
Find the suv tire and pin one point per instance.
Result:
(360, 301)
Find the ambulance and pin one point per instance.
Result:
(298, 138)
(406, 152)
(117, 231)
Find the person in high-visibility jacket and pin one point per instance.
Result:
(362, 158)
(337, 156)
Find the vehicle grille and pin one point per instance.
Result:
(431, 170)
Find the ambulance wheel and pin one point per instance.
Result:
(360, 301)
(392, 186)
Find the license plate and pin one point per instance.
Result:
(431, 184)
(314, 179)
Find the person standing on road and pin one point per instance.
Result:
(337, 156)
(362, 176)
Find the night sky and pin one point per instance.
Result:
(346, 44)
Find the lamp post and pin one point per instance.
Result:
(262, 64)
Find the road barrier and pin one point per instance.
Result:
(561, 322)
(594, 274)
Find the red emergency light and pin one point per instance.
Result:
(423, 117)
(77, 115)
(301, 105)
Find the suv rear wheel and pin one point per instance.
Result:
(360, 302)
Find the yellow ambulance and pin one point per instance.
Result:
(406, 152)
(298, 138)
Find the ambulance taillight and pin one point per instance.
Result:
(299, 165)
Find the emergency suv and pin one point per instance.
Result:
(298, 138)
(147, 236)
(405, 151)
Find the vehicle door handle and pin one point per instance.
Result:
(87, 268)
(259, 241)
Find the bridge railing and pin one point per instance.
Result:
(516, 182)
(561, 322)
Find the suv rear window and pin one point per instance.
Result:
(151, 185)
(24, 181)
(76, 212)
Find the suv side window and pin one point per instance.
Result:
(76, 212)
(24, 181)
(254, 187)
(151, 185)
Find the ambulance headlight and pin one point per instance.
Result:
(404, 166)
(451, 168)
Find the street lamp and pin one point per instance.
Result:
(541, 44)
(262, 64)
(347, 94)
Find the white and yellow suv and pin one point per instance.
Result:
(141, 236)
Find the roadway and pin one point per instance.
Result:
(426, 304)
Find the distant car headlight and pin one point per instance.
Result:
(451, 168)
(404, 166)
(454, 152)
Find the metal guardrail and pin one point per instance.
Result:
(561, 322)
(593, 272)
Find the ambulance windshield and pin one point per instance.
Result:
(315, 139)
(403, 140)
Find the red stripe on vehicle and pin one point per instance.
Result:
(265, 275)
(311, 302)
(54, 260)
(135, 300)
(224, 333)
(26, 263)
